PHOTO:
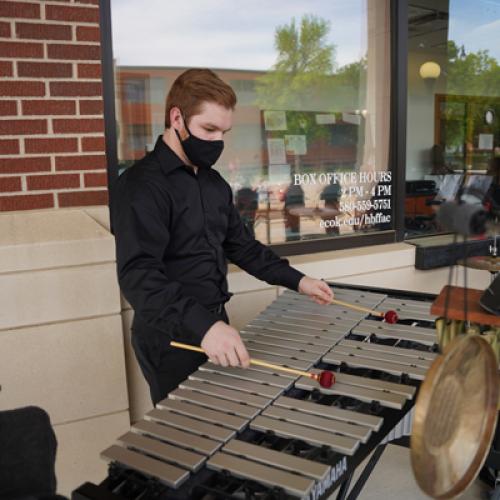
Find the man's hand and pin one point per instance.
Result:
(318, 290)
(223, 346)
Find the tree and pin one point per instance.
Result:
(304, 64)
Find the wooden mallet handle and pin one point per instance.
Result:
(257, 362)
(358, 308)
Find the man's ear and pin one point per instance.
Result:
(177, 122)
(176, 118)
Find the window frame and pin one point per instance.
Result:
(397, 134)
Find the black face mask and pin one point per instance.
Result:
(200, 152)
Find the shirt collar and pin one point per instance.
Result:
(169, 161)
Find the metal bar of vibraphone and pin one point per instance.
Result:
(250, 374)
(307, 336)
(283, 343)
(332, 412)
(267, 391)
(338, 319)
(283, 319)
(202, 413)
(389, 400)
(293, 484)
(299, 364)
(166, 473)
(282, 351)
(278, 459)
(342, 444)
(383, 356)
(164, 451)
(336, 358)
(335, 311)
(299, 329)
(367, 345)
(231, 407)
(317, 422)
(190, 424)
(224, 393)
(397, 327)
(177, 436)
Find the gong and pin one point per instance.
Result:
(455, 417)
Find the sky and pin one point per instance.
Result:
(232, 34)
(236, 34)
(476, 25)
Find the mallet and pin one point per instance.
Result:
(325, 378)
(389, 316)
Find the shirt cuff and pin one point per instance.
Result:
(198, 321)
(291, 278)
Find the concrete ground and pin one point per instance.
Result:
(392, 479)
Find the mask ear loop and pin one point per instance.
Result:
(185, 126)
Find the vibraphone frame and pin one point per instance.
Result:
(343, 466)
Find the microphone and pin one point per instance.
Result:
(462, 218)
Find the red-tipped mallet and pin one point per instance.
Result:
(389, 316)
(325, 378)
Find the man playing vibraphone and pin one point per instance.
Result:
(175, 226)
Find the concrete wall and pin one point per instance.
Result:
(61, 340)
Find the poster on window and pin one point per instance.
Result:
(276, 151)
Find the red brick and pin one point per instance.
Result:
(20, 165)
(17, 9)
(48, 107)
(63, 126)
(75, 88)
(8, 108)
(26, 202)
(10, 184)
(44, 70)
(22, 88)
(5, 30)
(87, 34)
(83, 162)
(96, 179)
(73, 52)
(91, 107)
(53, 181)
(22, 127)
(93, 144)
(89, 71)
(5, 68)
(83, 198)
(72, 14)
(21, 49)
(94, 2)
(62, 145)
(9, 146)
(43, 31)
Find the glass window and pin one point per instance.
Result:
(453, 108)
(307, 156)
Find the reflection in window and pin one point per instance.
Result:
(307, 156)
(453, 108)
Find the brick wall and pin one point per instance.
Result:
(52, 151)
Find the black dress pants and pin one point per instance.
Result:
(164, 367)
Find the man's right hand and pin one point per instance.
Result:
(223, 346)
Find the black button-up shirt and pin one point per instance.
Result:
(174, 232)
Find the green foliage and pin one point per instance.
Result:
(304, 64)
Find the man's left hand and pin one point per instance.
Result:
(318, 290)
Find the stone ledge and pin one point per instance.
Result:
(52, 239)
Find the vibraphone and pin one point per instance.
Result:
(229, 433)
